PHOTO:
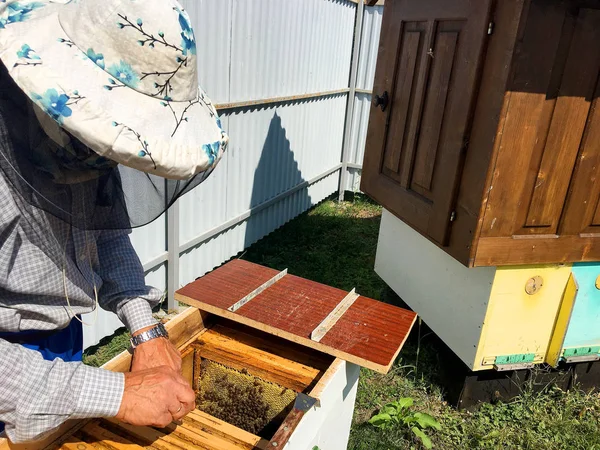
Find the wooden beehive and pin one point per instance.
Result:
(269, 340)
(485, 131)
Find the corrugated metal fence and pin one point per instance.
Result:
(281, 72)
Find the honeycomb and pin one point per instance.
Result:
(241, 399)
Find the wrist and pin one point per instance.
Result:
(148, 334)
(141, 330)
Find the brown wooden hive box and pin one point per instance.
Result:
(488, 142)
(264, 349)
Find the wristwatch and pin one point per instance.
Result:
(153, 333)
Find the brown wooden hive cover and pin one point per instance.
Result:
(370, 333)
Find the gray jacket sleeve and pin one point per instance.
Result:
(124, 289)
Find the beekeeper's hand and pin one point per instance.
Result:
(155, 397)
(155, 353)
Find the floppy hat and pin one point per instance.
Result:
(120, 76)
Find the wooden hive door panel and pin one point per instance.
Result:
(582, 211)
(428, 64)
(549, 119)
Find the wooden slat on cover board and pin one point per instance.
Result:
(370, 333)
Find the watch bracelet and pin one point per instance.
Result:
(155, 332)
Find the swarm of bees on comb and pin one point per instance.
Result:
(241, 399)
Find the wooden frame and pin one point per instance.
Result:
(198, 335)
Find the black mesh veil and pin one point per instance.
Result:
(63, 182)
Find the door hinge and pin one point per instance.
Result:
(490, 28)
(452, 216)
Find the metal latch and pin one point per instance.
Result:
(381, 100)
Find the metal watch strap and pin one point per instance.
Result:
(153, 333)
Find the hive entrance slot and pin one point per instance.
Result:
(241, 399)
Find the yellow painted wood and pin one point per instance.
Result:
(562, 322)
(517, 322)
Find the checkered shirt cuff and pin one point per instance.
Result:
(101, 393)
(136, 314)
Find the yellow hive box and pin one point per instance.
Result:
(520, 316)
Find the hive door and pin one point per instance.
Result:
(426, 80)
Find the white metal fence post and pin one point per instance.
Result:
(351, 98)
(172, 253)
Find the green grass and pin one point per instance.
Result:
(107, 348)
(332, 244)
(335, 244)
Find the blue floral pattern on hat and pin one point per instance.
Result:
(54, 104)
(97, 58)
(188, 40)
(27, 56)
(122, 70)
(27, 52)
(145, 147)
(188, 46)
(18, 12)
(124, 73)
(212, 151)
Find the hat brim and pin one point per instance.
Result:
(171, 139)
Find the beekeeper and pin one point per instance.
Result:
(102, 127)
